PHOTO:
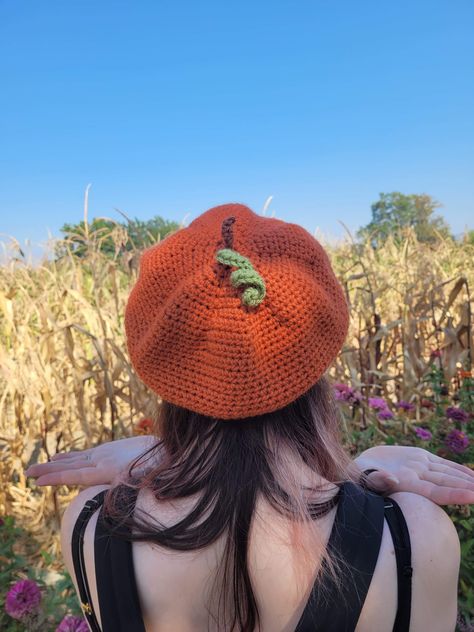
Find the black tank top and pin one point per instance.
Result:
(355, 537)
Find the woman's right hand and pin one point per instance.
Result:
(412, 469)
(105, 464)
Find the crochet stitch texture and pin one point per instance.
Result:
(195, 342)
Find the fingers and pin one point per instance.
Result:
(442, 495)
(40, 469)
(447, 469)
(68, 455)
(455, 497)
(450, 496)
(433, 458)
(446, 480)
(85, 476)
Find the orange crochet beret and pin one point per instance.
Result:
(235, 315)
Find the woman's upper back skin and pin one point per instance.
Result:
(173, 586)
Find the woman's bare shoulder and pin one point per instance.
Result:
(436, 556)
(70, 517)
(427, 521)
(67, 526)
(76, 505)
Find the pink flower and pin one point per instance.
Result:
(457, 414)
(345, 393)
(423, 434)
(23, 599)
(435, 353)
(378, 403)
(457, 441)
(72, 624)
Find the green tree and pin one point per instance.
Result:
(111, 237)
(393, 212)
(468, 237)
(144, 234)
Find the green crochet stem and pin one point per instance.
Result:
(245, 274)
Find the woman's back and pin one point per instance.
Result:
(173, 586)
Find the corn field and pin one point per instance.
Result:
(66, 381)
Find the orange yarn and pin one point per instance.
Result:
(194, 342)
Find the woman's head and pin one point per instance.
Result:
(300, 441)
(233, 322)
(236, 315)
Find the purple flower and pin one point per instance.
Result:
(385, 414)
(404, 405)
(342, 392)
(457, 441)
(423, 434)
(72, 624)
(345, 393)
(23, 599)
(457, 414)
(378, 403)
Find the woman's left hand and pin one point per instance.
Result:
(105, 464)
(410, 469)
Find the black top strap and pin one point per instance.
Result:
(402, 545)
(355, 539)
(117, 589)
(77, 546)
(355, 542)
(115, 579)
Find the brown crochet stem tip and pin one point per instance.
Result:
(223, 271)
(227, 233)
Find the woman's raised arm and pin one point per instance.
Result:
(102, 465)
(400, 469)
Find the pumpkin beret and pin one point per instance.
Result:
(235, 315)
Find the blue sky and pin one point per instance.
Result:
(171, 107)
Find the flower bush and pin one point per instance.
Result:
(23, 599)
(457, 441)
(30, 603)
(423, 434)
(443, 427)
(72, 624)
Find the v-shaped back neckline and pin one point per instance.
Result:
(355, 535)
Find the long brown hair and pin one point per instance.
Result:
(231, 464)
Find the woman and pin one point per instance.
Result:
(246, 514)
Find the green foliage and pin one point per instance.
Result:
(58, 599)
(435, 380)
(394, 212)
(463, 518)
(144, 234)
(112, 238)
(469, 237)
(437, 399)
(466, 394)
